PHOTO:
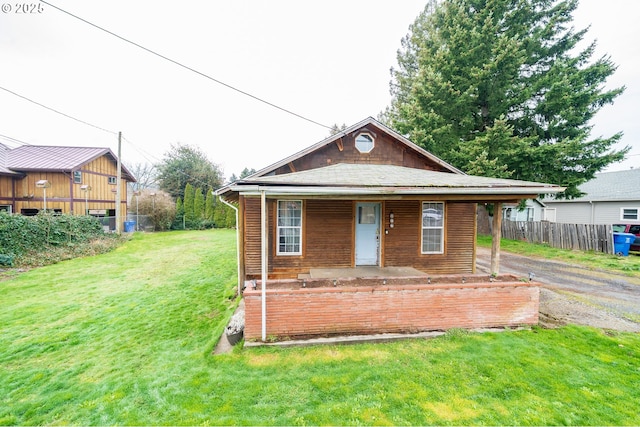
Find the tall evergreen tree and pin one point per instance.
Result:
(220, 214)
(179, 221)
(499, 87)
(198, 205)
(247, 172)
(208, 206)
(188, 205)
(230, 220)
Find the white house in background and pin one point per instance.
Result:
(610, 198)
(534, 210)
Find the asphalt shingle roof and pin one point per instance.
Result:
(612, 186)
(389, 176)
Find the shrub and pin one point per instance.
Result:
(27, 239)
(6, 260)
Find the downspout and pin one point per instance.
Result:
(265, 258)
(237, 240)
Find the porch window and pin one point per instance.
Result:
(432, 227)
(289, 227)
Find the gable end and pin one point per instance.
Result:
(383, 148)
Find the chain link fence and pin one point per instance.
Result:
(132, 223)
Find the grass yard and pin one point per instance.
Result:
(126, 338)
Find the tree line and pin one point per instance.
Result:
(200, 211)
(178, 192)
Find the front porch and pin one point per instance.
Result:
(362, 272)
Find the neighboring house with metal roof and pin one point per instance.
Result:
(74, 180)
(365, 201)
(610, 198)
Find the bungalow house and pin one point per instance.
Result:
(609, 198)
(366, 232)
(70, 180)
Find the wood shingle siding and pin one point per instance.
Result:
(403, 242)
(252, 233)
(328, 238)
(385, 152)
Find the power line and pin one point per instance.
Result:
(58, 112)
(14, 140)
(181, 171)
(56, 155)
(188, 68)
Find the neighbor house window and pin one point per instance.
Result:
(113, 180)
(289, 227)
(629, 214)
(77, 177)
(432, 227)
(528, 214)
(364, 143)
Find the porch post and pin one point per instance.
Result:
(265, 259)
(496, 234)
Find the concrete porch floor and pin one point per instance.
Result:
(362, 271)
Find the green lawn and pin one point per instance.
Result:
(126, 338)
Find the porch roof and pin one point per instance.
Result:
(372, 179)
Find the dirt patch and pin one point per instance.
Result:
(571, 294)
(557, 309)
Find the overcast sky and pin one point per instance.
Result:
(328, 61)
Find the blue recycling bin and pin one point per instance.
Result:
(622, 243)
(130, 227)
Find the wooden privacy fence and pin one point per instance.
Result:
(584, 237)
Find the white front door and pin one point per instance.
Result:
(367, 233)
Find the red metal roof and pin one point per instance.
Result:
(29, 158)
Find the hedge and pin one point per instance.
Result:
(20, 235)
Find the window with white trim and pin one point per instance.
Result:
(77, 177)
(432, 227)
(289, 227)
(113, 180)
(364, 143)
(629, 214)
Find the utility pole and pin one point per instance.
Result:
(119, 179)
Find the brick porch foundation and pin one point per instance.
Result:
(397, 308)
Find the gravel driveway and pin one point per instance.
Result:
(574, 294)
